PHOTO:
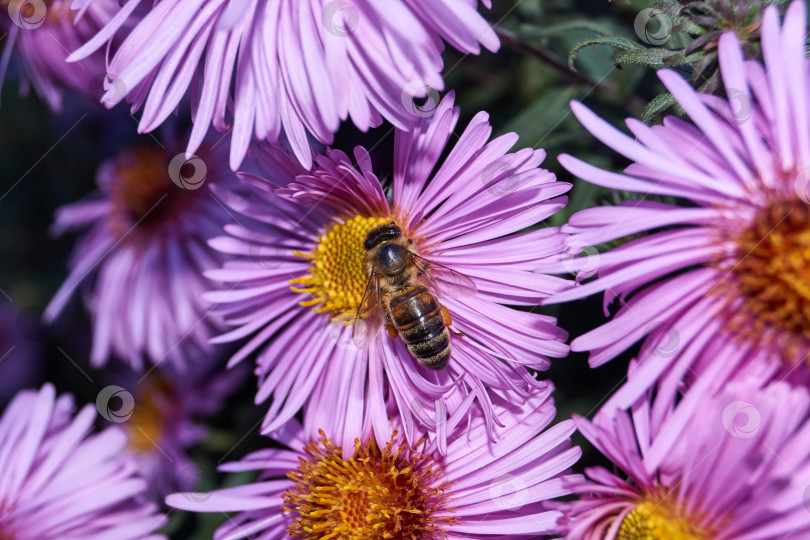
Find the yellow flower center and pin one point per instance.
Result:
(661, 520)
(388, 493)
(155, 404)
(337, 276)
(771, 273)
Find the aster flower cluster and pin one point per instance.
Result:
(707, 430)
(359, 339)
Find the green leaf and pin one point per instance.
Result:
(654, 58)
(658, 105)
(544, 117)
(616, 42)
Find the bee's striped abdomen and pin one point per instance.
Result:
(418, 317)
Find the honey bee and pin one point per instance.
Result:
(402, 292)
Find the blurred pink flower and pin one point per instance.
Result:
(42, 34)
(479, 489)
(300, 66)
(731, 465)
(141, 255)
(725, 275)
(167, 409)
(59, 481)
(297, 274)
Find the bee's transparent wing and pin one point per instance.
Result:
(370, 315)
(443, 280)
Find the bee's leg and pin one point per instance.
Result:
(392, 330)
(448, 321)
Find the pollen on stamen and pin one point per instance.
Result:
(337, 274)
(150, 421)
(393, 492)
(770, 272)
(662, 516)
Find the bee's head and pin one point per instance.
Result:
(383, 233)
(391, 256)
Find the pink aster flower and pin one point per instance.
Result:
(161, 412)
(725, 276)
(141, 255)
(298, 66)
(41, 35)
(731, 465)
(478, 489)
(298, 275)
(59, 481)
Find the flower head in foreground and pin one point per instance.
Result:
(725, 277)
(299, 274)
(57, 481)
(160, 417)
(297, 66)
(42, 34)
(477, 490)
(731, 465)
(142, 252)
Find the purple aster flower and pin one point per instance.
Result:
(480, 488)
(142, 252)
(59, 481)
(731, 465)
(725, 276)
(42, 33)
(160, 414)
(298, 275)
(300, 66)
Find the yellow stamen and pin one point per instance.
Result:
(155, 402)
(662, 518)
(337, 276)
(388, 493)
(771, 273)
